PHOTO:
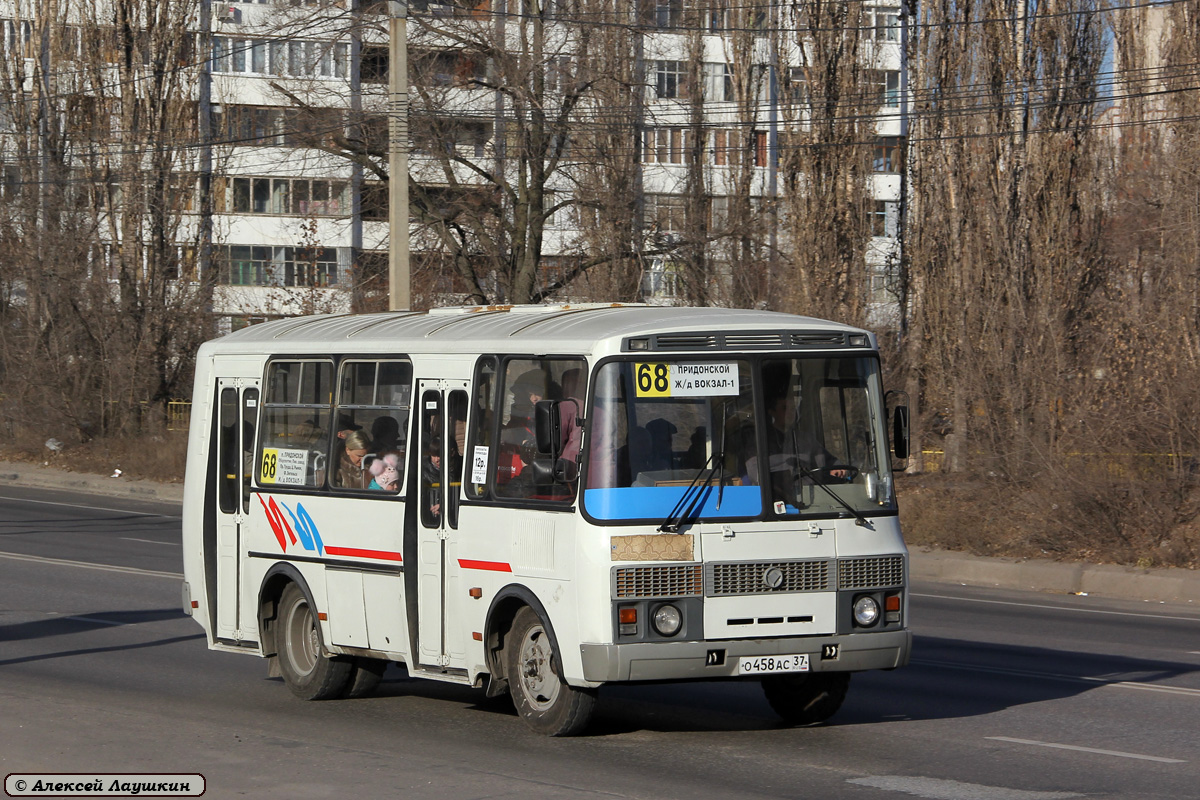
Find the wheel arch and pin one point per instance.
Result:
(273, 583)
(500, 614)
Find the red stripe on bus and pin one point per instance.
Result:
(355, 552)
(492, 566)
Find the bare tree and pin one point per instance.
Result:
(101, 314)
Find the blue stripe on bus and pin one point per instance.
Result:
(655, 502)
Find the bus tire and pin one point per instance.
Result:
(806, 698)
(547, 703)
(307, 670)
(365, 675)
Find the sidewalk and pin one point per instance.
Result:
(941, 566)
(40, 477)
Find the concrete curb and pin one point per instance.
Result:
(47, 477)
(1043, 575)
(1039, 575)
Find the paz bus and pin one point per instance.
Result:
(541, 500)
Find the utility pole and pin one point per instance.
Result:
(399, 277)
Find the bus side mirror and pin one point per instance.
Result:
(900, 431)
(546, 427)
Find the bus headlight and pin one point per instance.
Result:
(668, 620)
(866, 611)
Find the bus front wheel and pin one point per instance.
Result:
(806, 698)
(309, 673)
(546, 702)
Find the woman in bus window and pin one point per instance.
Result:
(351, 473)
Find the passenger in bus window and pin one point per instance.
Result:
(385, 472)
(527, 391)
(351, 472)
(431, 476)
(570, 412)
(385, 434)
(518, 441)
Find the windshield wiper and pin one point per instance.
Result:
(694, 494)
(859, 519)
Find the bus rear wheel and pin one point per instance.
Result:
(309, 673)
(806, 698)
(546, 702)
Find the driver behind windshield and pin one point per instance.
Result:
(794, 453)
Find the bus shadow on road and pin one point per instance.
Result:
(947, 679)
(60, 625)
(951, 678)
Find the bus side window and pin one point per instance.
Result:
(528, 381)
(296, 415)
(480, 447)
(372, 407)
(456, 408)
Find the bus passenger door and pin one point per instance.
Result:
(442, 425)
(237, 410)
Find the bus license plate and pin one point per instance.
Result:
(761, 665)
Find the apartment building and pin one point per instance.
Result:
(291, 214)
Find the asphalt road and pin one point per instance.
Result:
(1011, 696)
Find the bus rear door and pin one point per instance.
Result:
(440, 637)
(237, 410)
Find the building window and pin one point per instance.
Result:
(718, 82)
(262, 265)
(302, 197)
(881, 283)
(716, 16)
(795, 86)
(883, 22)
(884, 218)
(668, 14)
(374, 64)
(665, 213)
(447, 68)
(762, 155)
(454, 137)
(375, 200)
(884, 87)
(887, 157)
(665, 145)
(670, 79)
(298, 59)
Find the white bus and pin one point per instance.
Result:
(543, 500)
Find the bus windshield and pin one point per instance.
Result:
(763, 438)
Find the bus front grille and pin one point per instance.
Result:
(675, 580)
(759, 577)
(870, 573)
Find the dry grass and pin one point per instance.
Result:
(159, 457)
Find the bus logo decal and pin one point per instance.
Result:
(305, 528)
(278, 523)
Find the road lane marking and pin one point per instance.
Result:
(63, 562)
(92, 508)
(1052, 608)
(941, 789)
(1101, 682)
(1096, 750)
(151, 541)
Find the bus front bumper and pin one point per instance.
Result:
(668, 661)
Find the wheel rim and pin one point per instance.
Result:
(303, 642)
(538, 682)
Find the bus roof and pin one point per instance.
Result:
(579, 328)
